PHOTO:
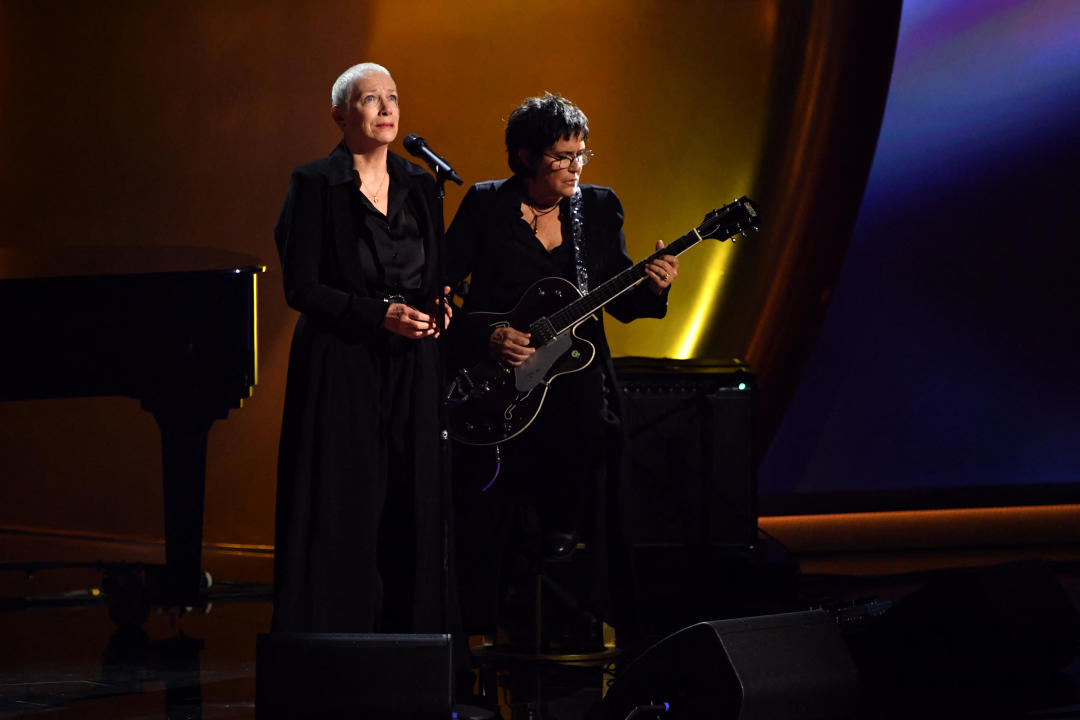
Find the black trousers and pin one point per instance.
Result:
(551, 478)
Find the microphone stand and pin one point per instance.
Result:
(458, 642)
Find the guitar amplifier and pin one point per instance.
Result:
(692, 479)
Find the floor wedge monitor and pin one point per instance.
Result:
(794, 666)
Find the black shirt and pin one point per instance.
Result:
(395, 237)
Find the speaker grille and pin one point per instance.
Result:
(691, 478)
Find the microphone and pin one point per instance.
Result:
(418, 146)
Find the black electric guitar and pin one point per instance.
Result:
(489, 403)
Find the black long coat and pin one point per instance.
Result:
(360, 421)
(564, 467)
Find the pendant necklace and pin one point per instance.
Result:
(537, 214)
(375, 195)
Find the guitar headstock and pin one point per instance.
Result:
(739, 216)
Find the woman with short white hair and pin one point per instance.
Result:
(359, 525)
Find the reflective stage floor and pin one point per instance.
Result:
(62, 655)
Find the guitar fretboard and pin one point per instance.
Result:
(604, 293)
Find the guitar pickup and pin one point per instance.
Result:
(542, 331)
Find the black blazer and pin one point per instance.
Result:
(330, 271)
(352, 388)
(488, 240)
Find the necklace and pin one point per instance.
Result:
(375, 195)
(537, 214)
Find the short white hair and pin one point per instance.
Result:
(340, 92)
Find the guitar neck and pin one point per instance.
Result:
(604, 293)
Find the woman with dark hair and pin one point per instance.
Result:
(556, 479)
(359, 539)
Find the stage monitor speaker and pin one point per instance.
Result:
(692, 478)
(794, 666)
(344, 675)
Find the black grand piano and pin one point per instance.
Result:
(171, 326)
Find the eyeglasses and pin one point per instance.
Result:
(564, 161)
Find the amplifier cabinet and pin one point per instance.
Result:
(691, 478)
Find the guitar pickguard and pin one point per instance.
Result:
(533, 371)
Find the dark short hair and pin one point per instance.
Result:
(537, 124)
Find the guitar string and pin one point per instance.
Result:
(618, 284)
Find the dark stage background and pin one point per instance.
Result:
(946, 370)
(948, 355)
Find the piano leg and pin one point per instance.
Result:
(183, 454)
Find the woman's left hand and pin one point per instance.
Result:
(661, 271)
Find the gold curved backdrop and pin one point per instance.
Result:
(178, 123)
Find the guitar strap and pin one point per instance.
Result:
(577, 235)
(577, 239)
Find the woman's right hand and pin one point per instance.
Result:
(509, 346)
